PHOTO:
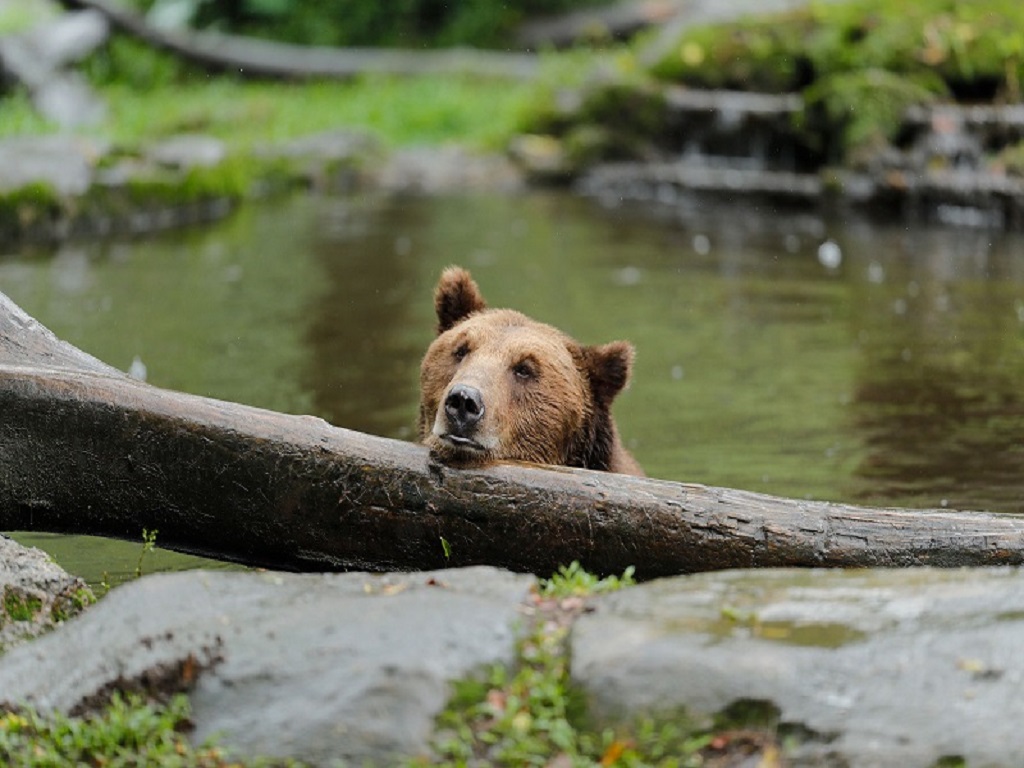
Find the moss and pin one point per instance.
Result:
(19, 605)
(617, 120)
(974, 48)
(69, 605)
(748, 55)
(29, 207)
(626, 107)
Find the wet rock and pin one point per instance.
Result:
(36, 594)
(879, 668)
(542, 158)
(63, 40)
(188, 151)
(62, 163)
(37, 59)
(669, 182)
(433, 170)
(330, 161)
(315, 667)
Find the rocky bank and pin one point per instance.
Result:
(844, 668)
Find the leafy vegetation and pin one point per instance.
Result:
(974, 48)
(860, 64)
(406, 23)
(531, 714)
(128, 733)
(848, 111)
(68, 605)
(573, 580)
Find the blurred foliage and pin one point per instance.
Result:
(862, 109)
(152, 94)
(131, 63)
(860, 64)
(405, 23)
(1011, 159)
(975, 48)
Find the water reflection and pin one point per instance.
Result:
(885, 368)
(938, 403)
(358, 331)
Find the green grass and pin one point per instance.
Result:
(399, 111)
(23, 14)
(128, 733)
(530, 714)
(150, 94)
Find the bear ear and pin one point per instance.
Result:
(456, 297)
(608, 367)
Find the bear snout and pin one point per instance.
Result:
(463, 408)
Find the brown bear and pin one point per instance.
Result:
(496, 385)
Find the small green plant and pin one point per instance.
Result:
(148, 545)
(128, 732)
(446, 548)
(573, 580)
(530, 715)
(66, 606)
(20, 606)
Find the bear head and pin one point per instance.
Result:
(496, 385)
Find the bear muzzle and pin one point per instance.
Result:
(459, 419)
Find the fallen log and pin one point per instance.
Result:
(614, 22)
(251, 57)
(86, 449)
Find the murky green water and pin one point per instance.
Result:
(894, 376)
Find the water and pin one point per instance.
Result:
(777, 352)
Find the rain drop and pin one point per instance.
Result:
(829, 255)
(628, 276)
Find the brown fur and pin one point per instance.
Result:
(532, 393)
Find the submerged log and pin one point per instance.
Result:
(86, 449)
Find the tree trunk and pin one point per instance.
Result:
(86, 449)
(251, 57)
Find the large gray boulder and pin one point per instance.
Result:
(866, 668)
(322, 668)
(62, 163)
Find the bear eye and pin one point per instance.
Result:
(524, 370)
(461, 351)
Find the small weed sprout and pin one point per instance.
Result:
(148, 545)
(573, 581)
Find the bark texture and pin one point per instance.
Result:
(85, 449)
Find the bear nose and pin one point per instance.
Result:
(464, 407)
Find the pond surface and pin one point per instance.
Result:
(776, 352)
